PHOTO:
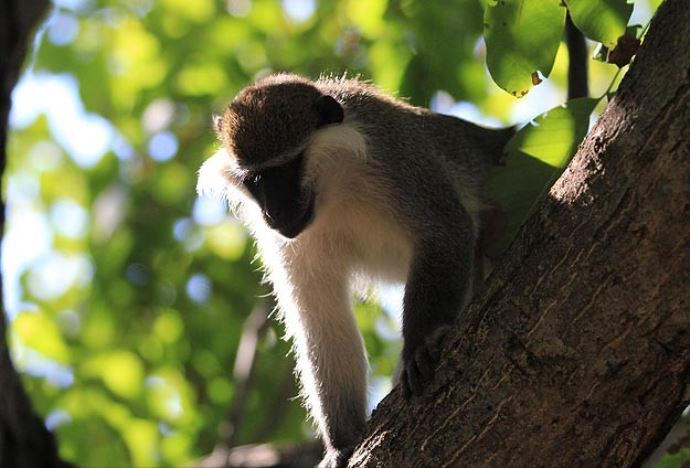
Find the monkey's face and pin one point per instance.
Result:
(286, 204)
(267, 129)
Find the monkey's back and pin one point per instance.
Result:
(449, 137)
(422, 157)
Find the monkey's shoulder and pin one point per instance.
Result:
(398, 123)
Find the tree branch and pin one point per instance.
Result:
(578, 353)
(243, 374)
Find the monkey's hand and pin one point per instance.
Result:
(336, 458)
(419, 360)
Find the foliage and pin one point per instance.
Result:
(522, 36)
(128, 295)
(522, 39)
(536, 155)
(603, 21)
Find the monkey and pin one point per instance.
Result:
(341, 184)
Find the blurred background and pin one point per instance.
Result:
(138, 317)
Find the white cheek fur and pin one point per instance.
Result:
(219, 178)
(215, 175)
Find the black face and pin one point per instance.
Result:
(286, 205)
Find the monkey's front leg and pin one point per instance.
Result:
(331, 358)
(438, 287)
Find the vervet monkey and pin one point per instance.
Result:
(339, 183)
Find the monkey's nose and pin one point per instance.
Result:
(275, 218)
(271, 220)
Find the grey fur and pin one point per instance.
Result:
(427, 172)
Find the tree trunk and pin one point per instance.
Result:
(578, 353)
(24, 440)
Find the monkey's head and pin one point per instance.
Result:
(266, 129)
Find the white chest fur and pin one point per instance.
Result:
(354, 225)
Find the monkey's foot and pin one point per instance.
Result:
(336, 458)
(419, 362)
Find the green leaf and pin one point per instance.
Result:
(122, 371)
(674, 460)
(39, 331)
(537, 154)
(554, 135)
(522, 38)
(601, 20)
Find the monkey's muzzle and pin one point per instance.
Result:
(297, 220)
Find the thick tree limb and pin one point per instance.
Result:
(24, 440)
(578, 354)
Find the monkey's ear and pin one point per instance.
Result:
(330, 111)
(217, 123)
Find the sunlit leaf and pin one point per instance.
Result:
(173, 184)
(198, 10)
(141, 436)
(198, 79)
(220, 390)
(168, 326)
(121, 371)
(104, 441)
(170, 397)
(537, 154)
(601, 20)
(227, 240)
(177, 445)
(522, 38)
(266, 15)
(136, 60)
(553, 136)
(388, 63)
(40, 332)
(368, 15)
(99, 328)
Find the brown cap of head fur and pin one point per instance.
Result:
(269, 118)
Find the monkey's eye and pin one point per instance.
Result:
(252, 181)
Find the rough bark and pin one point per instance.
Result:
(24, 440)
(578, 354)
